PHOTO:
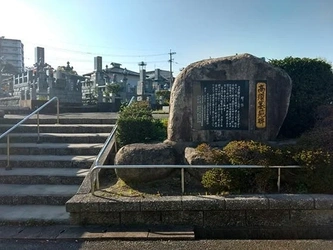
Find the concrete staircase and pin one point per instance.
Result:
(47, 173)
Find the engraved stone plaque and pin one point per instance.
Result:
(221, 105)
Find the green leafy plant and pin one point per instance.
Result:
(217, 180)
(240, 179)
(248, 153)
(212, 155)
(164, 96)
(114, 88)
(137, 125)
(312, 86)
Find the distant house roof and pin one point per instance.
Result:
(116, 69)
(163, 75)
(120, 71)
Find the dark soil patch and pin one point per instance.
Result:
(171, 186)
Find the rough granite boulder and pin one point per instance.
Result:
(183, 118)
(193, 157)
(145, 154)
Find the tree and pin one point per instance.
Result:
(164, 96)
(312, 86)
(114, 88)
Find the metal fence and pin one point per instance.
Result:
(94, 172)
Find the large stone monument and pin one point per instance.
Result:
(230, 98)
(213, 101)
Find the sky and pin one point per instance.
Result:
(131, 31)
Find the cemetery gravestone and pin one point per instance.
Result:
(231, 98)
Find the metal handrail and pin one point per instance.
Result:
(182, 167)
(22, 121)
(112, 135)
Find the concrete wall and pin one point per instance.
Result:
(244, 216)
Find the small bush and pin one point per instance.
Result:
(313, 158)
(159, 130)
(321, 136)
(317, 174)
(213, 156)
(217, 180)
(240, 180)
(137, 125)
(249, 153)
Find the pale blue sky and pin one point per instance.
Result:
(130, 31)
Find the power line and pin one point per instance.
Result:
(102, 54)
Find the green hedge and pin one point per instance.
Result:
(137, 125)
(312, 81)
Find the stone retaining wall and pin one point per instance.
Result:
(274, 216)
(9, 101)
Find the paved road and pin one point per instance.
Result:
(167, 245)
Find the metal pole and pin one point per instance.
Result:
(279, 179)
(57, 111)
(8, 154)
(97, 180)
(92, 183)
(183, 180)
(171, 61)
(38, 126)
(115, 145)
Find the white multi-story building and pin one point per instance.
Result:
(12, 51)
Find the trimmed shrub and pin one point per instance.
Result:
(217, 180)
(317, 174)
(137, 125)
(213, 156)
(312, 86)
(240, 180)
(248, 153)
(321, 136)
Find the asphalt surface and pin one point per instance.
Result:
(167, 245)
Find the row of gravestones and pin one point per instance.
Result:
(240, 97)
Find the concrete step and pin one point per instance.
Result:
(49, 161)
(58, 137)
(41, 194)
(53, 120)
(51, 148)
(59, 128)
(33, 214)
(33, 176)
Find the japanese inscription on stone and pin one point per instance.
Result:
(221, 105)
(261, 104)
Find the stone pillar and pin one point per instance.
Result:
(33, 93)
(26, 94)
(22, 96)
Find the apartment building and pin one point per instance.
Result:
(12, 51)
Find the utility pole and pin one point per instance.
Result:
(2, 67)
(171, 61)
